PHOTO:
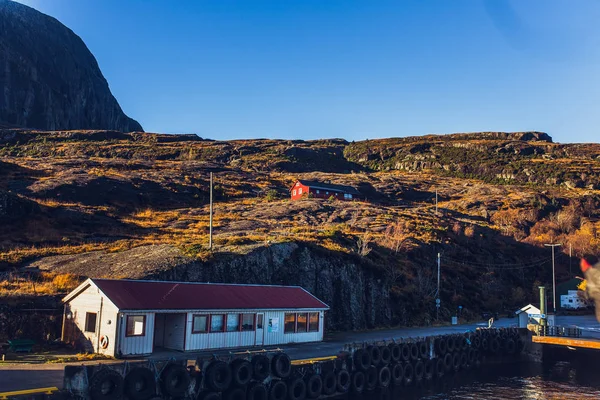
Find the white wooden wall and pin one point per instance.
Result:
(92, 300)
(279, 337)
(136, 344)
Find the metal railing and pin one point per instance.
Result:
(563, 331)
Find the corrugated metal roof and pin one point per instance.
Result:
(329, 186)
(163, 295)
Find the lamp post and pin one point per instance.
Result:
(553, 245)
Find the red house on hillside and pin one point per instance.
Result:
(303, 189)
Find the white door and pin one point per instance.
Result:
(260, 318)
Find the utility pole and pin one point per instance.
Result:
(210, 223)
(436, 203)
(553, 245)
(437, 295)
(570, 260)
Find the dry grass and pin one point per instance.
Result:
(45, 283)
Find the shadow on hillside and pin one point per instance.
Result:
(14, 177)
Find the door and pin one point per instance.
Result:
(259, 329)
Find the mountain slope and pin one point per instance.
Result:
(50, 79)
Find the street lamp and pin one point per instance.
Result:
(553, 245)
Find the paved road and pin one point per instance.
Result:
(18, 377)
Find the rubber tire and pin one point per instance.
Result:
(423, 350)
(510, 346)
(140, 377)
(386, 355)
(101, 377)
(476, 342)
(429, 369)
(449, 344)
(471, 357)
(440, 368)
(218, 376)
(371, 377)
(314, 386)
(397, 374)
(384, 377)
(419, 368)
(235, 393)
(456, 361)
(396, 352)
(464, 360)
(329, 383)
(440, 346)
(357, 380)
(485, 344)
(281, 365)
(256, 391)
(448, 362)
(278, 390)
(241, 372)
(261, 367)
(179, 375)
(296, 389)
(405, 352)
(409, 374)
(342, 381)
(414, 351)
(205, 396)
(375, 355)
(495, 346)
(361, 359)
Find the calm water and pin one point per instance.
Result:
(514, 382)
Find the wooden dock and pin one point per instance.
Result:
(586, 343)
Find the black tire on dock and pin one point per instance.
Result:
(205, 396)
(257, 391)
(386, 355)
(371, 377)
(440, 368)
(375, 355)
(397, 374)
(329, 382)
(361, 359)
(449, 344)
(106, 384)
(456, 361)
(448, 362)
(343, 381)
(296, 389)
(278, 390)
(405, 351)
(419, 370)
(357, 383)
(429, 369)
(440, 346)
(485, 344)
(409, 374)
(314, 386)
(495, 346)
(423, 350)
(217, 377)
(281, 365)
(241, 372)
(464, 360)
(510, 346)
(471, 357)
(476, 342)
(175, 379)
(396, 352)
(384, 377)
(140, 384)
(261, 367)
(414, 351)
(235, 393)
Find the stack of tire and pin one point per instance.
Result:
(455, 353)
(501, 342)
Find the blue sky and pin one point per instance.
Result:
(308, 69)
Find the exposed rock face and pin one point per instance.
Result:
(49, 78)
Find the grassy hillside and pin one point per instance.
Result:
(69, 199)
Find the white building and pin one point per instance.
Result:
(572, 300)
(530, 314)
(128, 317)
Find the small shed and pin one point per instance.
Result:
(135, 317)
(527, 313)
(303, 188)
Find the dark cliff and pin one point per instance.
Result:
(50, 79)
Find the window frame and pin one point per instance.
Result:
(207, 323)
(294, 192)
(238, 326)
(285, 330)
(87, 316)
(127, 334)
(253, 317)
(210, 330)
(318, 314)
(299, 324)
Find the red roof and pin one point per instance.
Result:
(161, 295)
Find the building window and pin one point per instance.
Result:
(302, 322)
(233, 322)
(326, 192)
(90, 321)
(313, 322)
(136, 325)
(294, 192)
(290, 323)
(200, 324)
(216, 323)
(317, 191)
(247, 322)
(259, 321)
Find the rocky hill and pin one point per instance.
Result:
(106, 203)
(50, 79)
